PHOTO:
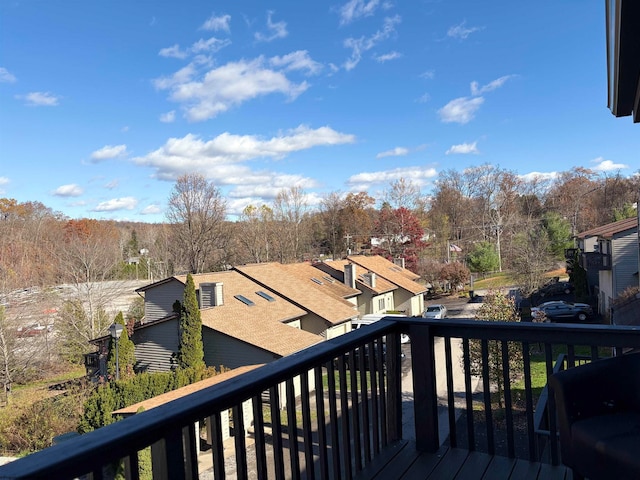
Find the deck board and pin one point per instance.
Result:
(402, 461)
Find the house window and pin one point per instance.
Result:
(244, 300)
(381, 304)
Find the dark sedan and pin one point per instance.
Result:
(556, 288)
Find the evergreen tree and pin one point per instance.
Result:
(483, 258)
(191, 350)
(126, 352)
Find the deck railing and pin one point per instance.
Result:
(333, 408)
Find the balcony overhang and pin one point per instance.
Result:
(623, 57)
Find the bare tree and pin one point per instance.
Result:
(197, 213)
(331, 208)
(290, 215)
(254, 232)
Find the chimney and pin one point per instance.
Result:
(399, 262)
(370, 279)
(350, 275)
(211, 295)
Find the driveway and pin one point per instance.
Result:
(458, 307)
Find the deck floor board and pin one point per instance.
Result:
(403, 462)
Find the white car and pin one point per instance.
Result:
(437, 311)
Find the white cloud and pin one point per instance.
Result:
(216, 24)
(489, 87)
(607, 165)
(461, 32)
(109, 151)
(364, 181)
(173, 52)
(220, 159)
(361, 45)
(276, 30)
(3, 181)
(463, 148)
(6, 76)
(168, 117)
(298, 60)
(71, 190)
(424, 98)
(112, 184)
(387, 56)
(224, 87)
(123, 203)
(538, 176)
(395, 152)
(151, 210)
(355, 9)
(210, 45)
(125, 129)
(460, 110)
(39, 99)
(428, 75)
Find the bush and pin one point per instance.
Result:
(115, 395)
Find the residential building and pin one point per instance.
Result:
(242, 324)
(612, 251)
(376, 293)
(325, 315)
(409, 297)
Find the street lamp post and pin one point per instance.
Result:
(115, 330)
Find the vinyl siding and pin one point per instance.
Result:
(222, 350)
(625, 261)
(155, 346)
(158, 301)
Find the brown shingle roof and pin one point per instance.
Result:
(260, 324)
(382, 285)
(389, 271)
(321, 280)
(184, 391)
(276, 278)
(610, 229)
(254, 329)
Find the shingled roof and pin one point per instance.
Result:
(389, 271)
(381, 286)
(254, 318)
(318, 279)
(277, 278)
(610, 229)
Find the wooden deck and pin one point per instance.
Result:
(401, 461)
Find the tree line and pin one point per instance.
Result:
(482, 218)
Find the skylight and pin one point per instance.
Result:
(266, 296)
(244, 300)
(314, 279)
(328, 279)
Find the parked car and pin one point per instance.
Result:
(437, 311)
(33, 330)
(556, 288)
(560, 311)
(370, 318)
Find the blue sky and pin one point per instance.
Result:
(104, 104)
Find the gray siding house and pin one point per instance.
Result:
(242, 324)
(616, 247)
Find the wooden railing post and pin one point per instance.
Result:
(424, 388)
(394, 388)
